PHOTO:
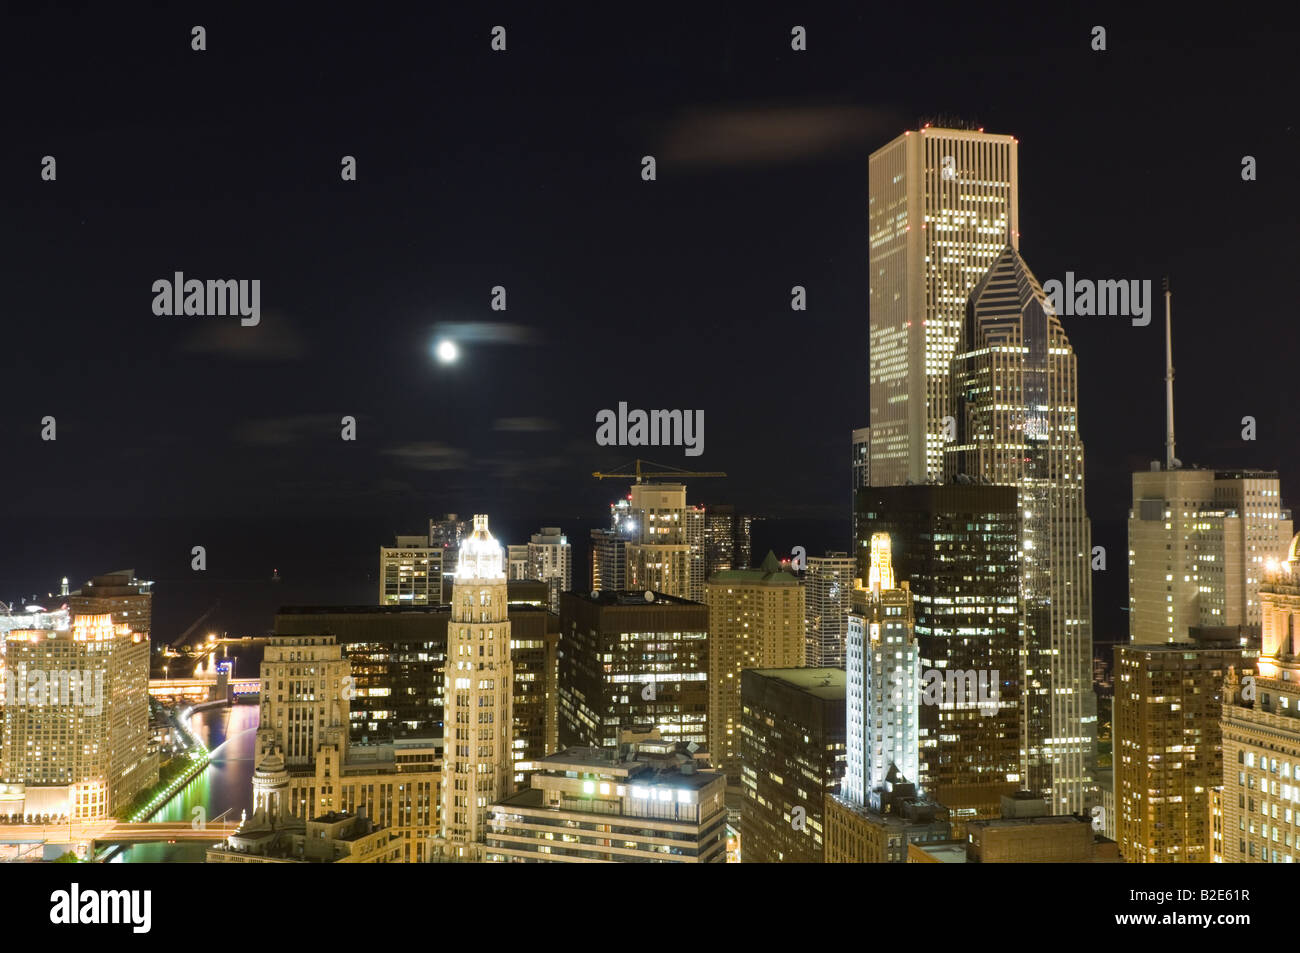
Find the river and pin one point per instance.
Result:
(226, 784)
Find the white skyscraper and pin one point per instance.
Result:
(478, 715)
(942, 205)
(883, 678)
(828, 582)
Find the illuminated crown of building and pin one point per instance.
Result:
(881, 575)
(480, 554)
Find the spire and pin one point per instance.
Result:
(882, 567)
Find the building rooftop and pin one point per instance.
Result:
(828, 683)
(771, 573)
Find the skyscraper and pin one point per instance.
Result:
(74, 718)
(478, 766)
(550, 559)
(627, 662)
(659, 551)
(756, 620)
(1199, 544)
(828, 584)
(1017, 418)
(410, 573)
(958, 546)
(942, 206)
(120, 594)
(861, 457)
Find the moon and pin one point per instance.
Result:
(447, 351)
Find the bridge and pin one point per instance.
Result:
(201, 689)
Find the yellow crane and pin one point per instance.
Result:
(670, 473)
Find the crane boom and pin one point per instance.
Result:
(640, 474)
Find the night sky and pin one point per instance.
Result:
(522, 169)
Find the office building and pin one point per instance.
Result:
(755, 620)
(478, 760)
(446, 534)
(942, 205)
(118, 594)
(307, 688)
(1015, 384)
(645, 800)
(1168, 746)
(410, 573)
(791, 756)
(957, 545)
(828, 584)
(861, 457)
(398, 657)
(1199, 544)
(659, 555)
(631, 662)
(1027, 833)
(517, 565)
(1259, 805)
(74, 712)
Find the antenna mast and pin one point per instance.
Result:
(1170, 460)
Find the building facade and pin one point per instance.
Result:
(410, 573)
(828, 583)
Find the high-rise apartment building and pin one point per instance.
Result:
(659, 552)
(792, 756)
(645, 800)
(627, 662)
(550, 559)
(1168, 746)
(1258, 816)
(828, 586)
(410, 573)
(1199, 544)
(119, 594)
(942, 206)
(74, 718)
(1016, 392)
(958, 546)
(517, 563)
(478, 761)
(755, 620)
(446, 534)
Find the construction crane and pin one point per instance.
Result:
(668, 473)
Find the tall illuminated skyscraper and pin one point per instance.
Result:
(883, 672)
(1017, 387)
(942, 206)
(477, 760)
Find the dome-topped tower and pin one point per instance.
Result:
(480, 554)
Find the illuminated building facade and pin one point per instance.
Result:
(791, 756)
(659, 554)
(550, 559)
(1200, 542)
(1168, 746)
(1016, 388)
(645, 800)
(942, 206)
(755, 620)
(828, 583)
(120, 594)
(410, 573)
(861, 457)
(478, 758)
(75, 718)
(1259, 805)
(307, 688)
(958, 546)
(626, 662)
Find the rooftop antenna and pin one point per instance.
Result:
(1171, 462)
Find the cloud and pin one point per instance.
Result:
(429, 455)
(282, 431)
(523, 424)
(273, 339)
(757, 134)
(486, 332)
